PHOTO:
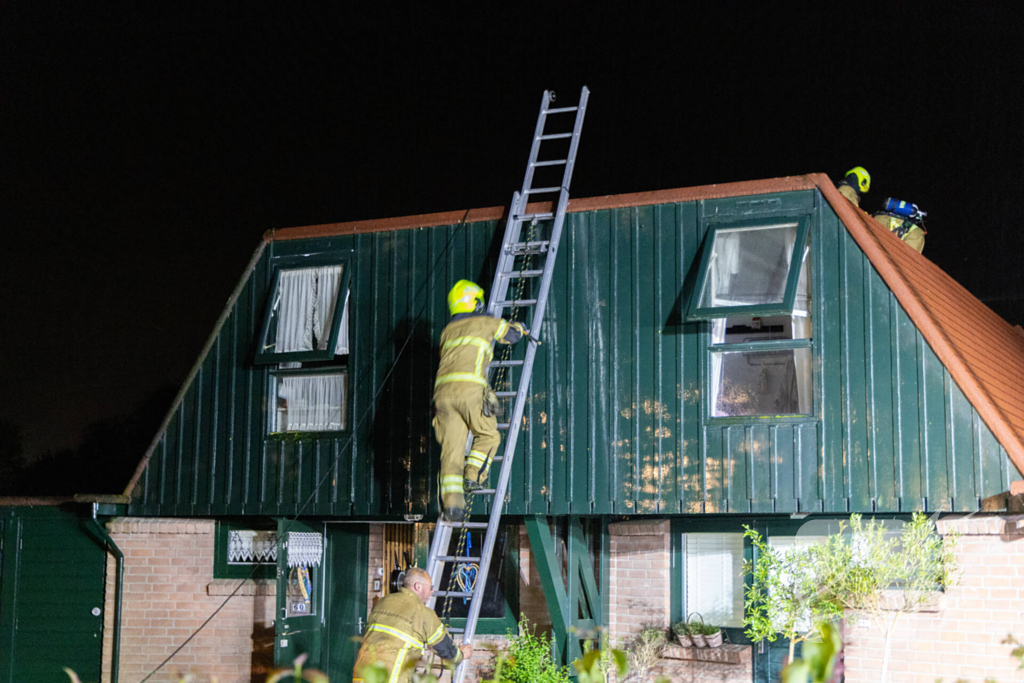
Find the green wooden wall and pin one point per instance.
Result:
(616, 424)
(52, 577)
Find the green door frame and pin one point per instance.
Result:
(298, 634)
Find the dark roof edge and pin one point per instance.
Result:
(494, 213)
(933, 333)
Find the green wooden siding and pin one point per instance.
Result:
(617, 422)
(52, 576)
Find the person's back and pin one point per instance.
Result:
(401, 628)
(905, 220)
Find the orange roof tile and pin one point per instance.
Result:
(950, 318)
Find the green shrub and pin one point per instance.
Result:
(528, 660)
(681, 628)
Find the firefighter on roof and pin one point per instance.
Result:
(905, 220)
(463, 400)
(856, 182)
(401, 627)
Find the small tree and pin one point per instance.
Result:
(786, 597)
(881, 572)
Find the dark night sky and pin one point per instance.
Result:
(146, 149)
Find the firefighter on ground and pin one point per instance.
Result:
(904, 219)
(856, 183)
(401, 627)
(463, 400)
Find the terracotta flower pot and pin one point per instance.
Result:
(715, 639)
(684, 640)
(698, 640)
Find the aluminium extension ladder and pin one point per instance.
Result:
(511, 247)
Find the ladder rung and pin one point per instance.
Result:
(466, 525)
(543, 190)
(538, 216)
(549, 162)
(498, 458)
(456, 558)
(555, 136)
(517, 302)
(505, 363)
(521, 273)
(505, 394)
(484, 492)
(456, 630)
(502, 425)
(524, 248)
(453, 594)
(561, 110)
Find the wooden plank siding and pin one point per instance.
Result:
(617, 421)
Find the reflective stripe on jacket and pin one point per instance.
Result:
(398, 631)
(467, 347)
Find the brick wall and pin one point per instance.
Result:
(169, 590)
(961, 639)
(376, 551)
(639, 580)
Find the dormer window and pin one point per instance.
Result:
(754, 288)
(305, 334)
(299, 323)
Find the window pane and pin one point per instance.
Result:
(749, 266)
(310, 403)
(302, 312)
(759, 383)
(714, 577)
(745, 329)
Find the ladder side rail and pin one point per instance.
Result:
(438, 547)
(498, 502)
(513, 228)
(538, 131)
(577, 130)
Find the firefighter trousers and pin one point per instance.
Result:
(458, 411)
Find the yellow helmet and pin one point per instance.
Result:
(464, 296)
(863, 177)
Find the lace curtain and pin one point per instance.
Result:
(305, 307)
(313, 403)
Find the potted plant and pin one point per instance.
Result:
(682, 631)
(712, 635)
(696, 629)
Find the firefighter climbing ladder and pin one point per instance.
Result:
(512, 247)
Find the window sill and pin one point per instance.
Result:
(224, 587)
(723, 654)
(754, 420)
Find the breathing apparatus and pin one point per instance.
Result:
(908, 212)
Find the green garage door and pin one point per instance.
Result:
(51, 597)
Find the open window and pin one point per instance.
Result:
(750, 268)
(754, 288)
(305, 334)
(300, 322)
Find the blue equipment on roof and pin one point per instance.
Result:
(903, 209)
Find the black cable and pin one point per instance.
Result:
(370, 406)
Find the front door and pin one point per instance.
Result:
(300, 592)
(347, 561)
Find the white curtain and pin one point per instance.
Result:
(306, 299)
(714, 577)
(717, 337)
(313, 403)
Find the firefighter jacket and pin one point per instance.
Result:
(850, 193)
(909, 232)
(466, 347)
(399, 630)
